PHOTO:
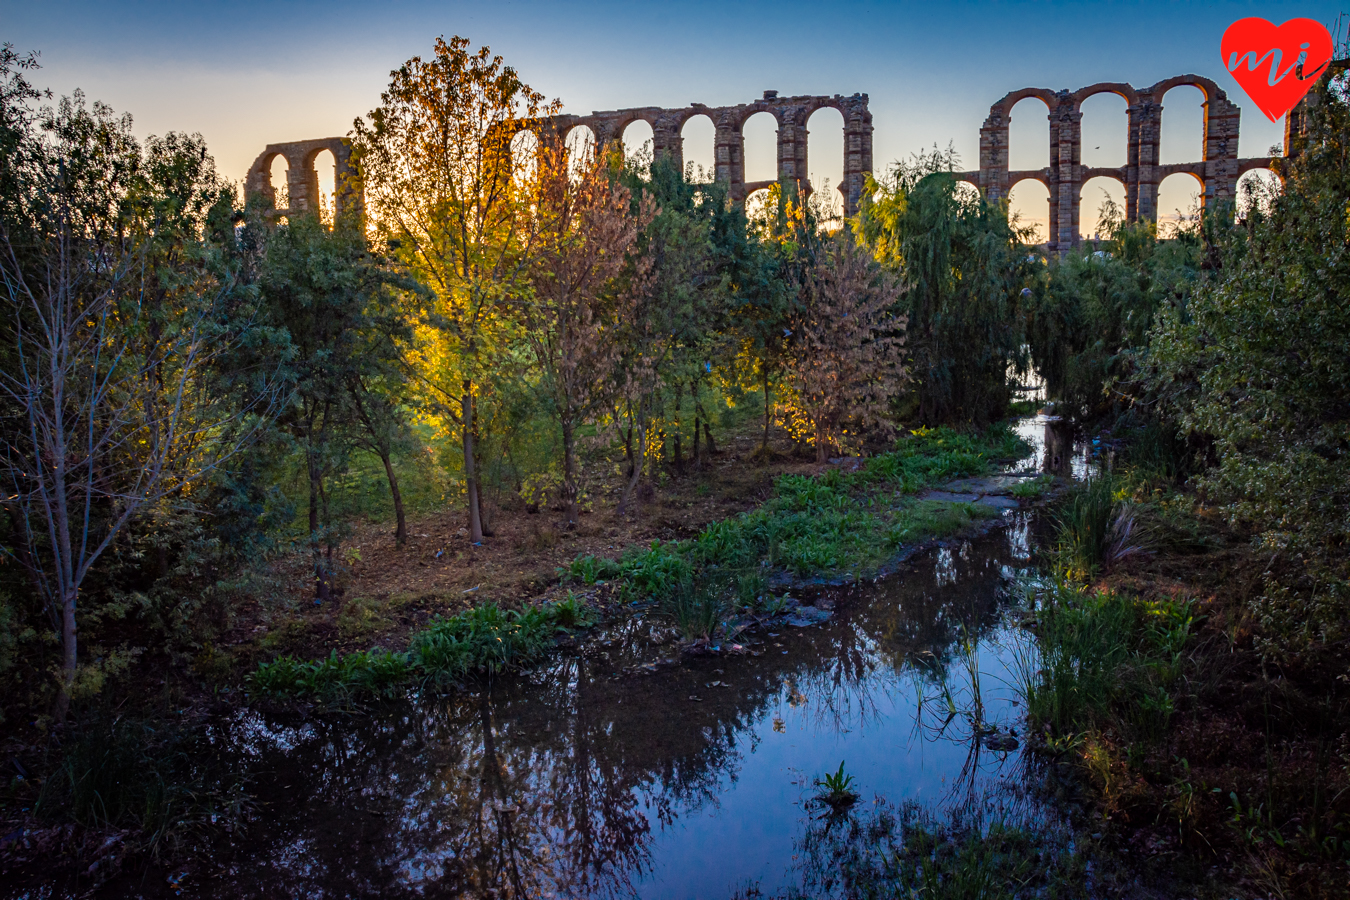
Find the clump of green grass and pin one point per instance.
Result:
(933, 518)
(1031, 488)
(1096, 527)
(1105, 659)
(486, 639)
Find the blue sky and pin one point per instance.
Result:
(245, 74)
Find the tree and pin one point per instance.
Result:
(435, 164)
(963, 267)
(585, 286)
(116, 316)
(845, 365)
(1258, 361)
(337, 303)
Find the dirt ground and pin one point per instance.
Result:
(387, 592)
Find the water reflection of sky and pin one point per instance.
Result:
(577, 780)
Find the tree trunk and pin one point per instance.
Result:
(698, 460)
(822, 443)
(570, 472)
(708, 438)
(321, 592)
(470, 475)
(764, 447)
(628, 451)
(679, 410)
(635, 473)
(401, 528)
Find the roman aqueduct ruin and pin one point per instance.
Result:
(1217, 171)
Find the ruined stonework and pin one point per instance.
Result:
(302, 182)
(791, 113)
(1218, 171)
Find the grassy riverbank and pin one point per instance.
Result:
(1210, 754)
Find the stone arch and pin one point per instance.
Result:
(825, 154)
(756, 204)
(966, 190)
(1105, 125)
(324, 173)
(1090, 197)
(581, 145)
(1257, 187)
(1178, 199)
(278, 189)
(1181, 136)
(1028, 134)
(301, 180)
(698, 145)
(761, 148)
(638, 139)
(1036, 211)
(524, 154)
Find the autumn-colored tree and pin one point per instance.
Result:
(435, 164)
(845, 365)
(585, 288)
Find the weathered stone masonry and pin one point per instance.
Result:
(791, 113)
(1218, 171)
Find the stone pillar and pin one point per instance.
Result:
(857, 153)
(729, 153)
(792, 149)
(1222, 121)
(666, 139)
(1066, 174)
(1145, 139)
(303, 183)
(994, 155)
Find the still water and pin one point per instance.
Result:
(596, 777)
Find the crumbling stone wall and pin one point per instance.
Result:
(791, 114)
(1217, 171)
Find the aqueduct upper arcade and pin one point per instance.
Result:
(1217, 171)
(791, 114)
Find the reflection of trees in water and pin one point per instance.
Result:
(557, 781)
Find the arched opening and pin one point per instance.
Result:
(1178, 203)
(281, 185)
(757, 209)
(698, 140)
(638, 141)
(967, 193)
(1105, 131)
(325, 171)
(1182, 136)
(1257, 189)
(761, 147)
(1028, 135)
(825, 160)
(1099, 195)
(524, 156)
(580, 146)
(1029, 208)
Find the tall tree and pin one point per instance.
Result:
(435, 163)
(582, 294)
(336, 301)
(115, 316)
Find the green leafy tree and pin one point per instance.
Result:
(1258, 361)
(962, 266)
(435, 165)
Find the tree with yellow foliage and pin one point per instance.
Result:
(434, 161)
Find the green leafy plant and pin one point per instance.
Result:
(836, 790)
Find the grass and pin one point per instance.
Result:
(486, 639)
(128, 774)
(1105, 660)
(832, 524)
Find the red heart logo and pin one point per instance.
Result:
(1276, 66)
